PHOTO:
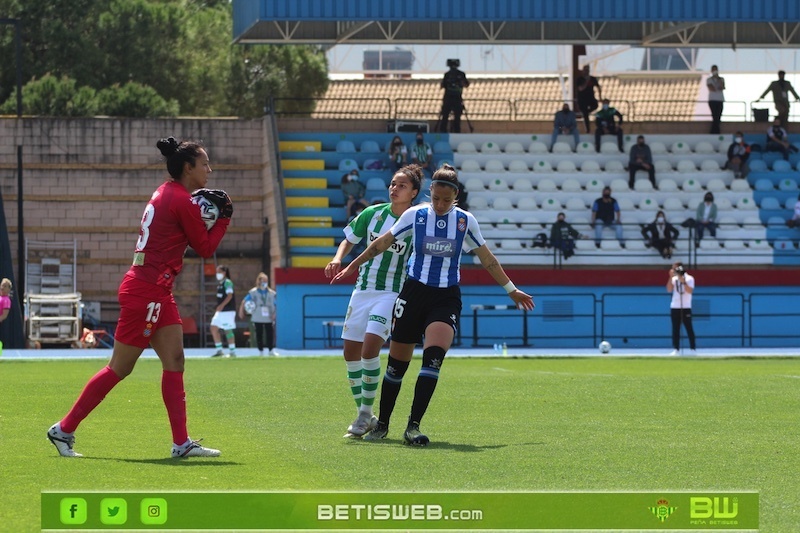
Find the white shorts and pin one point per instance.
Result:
(224, 320)
(369, 312)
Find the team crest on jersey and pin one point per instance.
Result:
(148, 330)
(441, 224)
(462, 224)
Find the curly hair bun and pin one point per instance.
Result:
(167, 146)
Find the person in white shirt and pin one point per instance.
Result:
(429, 304)
(681, 285)
(716, 97)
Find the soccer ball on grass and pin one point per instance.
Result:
(604, 347)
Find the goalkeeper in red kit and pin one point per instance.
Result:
(148, 313)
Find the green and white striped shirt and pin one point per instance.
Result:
(386, 272)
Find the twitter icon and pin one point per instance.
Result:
(113, 511)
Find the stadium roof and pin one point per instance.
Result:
(650, 23)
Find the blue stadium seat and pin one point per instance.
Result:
(757, 165)
(346, 165)
(370, 147)
(781, 166)
(373, 164)
(764, 184)
(345, 147)
(442, 147)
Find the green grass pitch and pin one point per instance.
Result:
(495, 425)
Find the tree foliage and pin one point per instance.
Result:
(163, 57)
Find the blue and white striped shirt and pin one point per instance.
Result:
(437, 243)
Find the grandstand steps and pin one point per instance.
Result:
(307, 201)
(299, 221)
(322, 242)
(300, 146)
(316, 231)
(302, 164)
(327, 251)
(304, 183)
(336, 215)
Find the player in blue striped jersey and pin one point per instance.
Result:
(369, 314)
(429, 305)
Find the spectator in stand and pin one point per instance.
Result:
(422, 155)
(606, 213)
(778, 139)
(738, 154)
(565, 124)
(705, 218)
(607, 125)
(563, 235)
(398, 153)
(587, 102)
(353, 191)
(5, 299)
(793, 222)
(641, 158)
(661, 235)
(780, 90)
(716, 98)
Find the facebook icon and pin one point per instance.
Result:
(73, 511)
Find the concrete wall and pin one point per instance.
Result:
(89, 179)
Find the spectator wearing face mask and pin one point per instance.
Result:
(716, 88)
(353, 191)
(641, 158)
(778, 140)
(259, 306)
(706, 218)
(563, 235)
(398, 153)
(608, 121)
(565, 123)
(422, 155)
(606, 214)
(738, 154)
(661, 235)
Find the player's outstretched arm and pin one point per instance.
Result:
(495, 269)
(333, 268)
(376, 248)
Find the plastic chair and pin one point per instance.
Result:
(662, 166)
(746, 204)
(575, 204)
(441, 147)
(771, 203)
(648, 204)
(523, 185)
(590, 166)
(542, 166)
(474, 185)
(781, 165)
(614, 165)
(667, 185)
(740, 186)
(686, 166)
(609, 148)
(546, 185)
(498, 185)
(585, 148)
(478, 203)
(345, 147)
(470, 165)
(680, 147)
(551, 204)
(764, 184)
(494, 166)
(466, 147)
(490, 147)
(673, 204)
(658, 148)
(502, 204)
(566, 166)
(642, 185)
(518, 166)
(537, 147)
(371, 147)
(788, 185)
(191, 333)
(514, 148)
(561, 147)
(757, 165)
(527, 203)
(347, 165)
(376, 184)
(619, 185)
(691, 185)
(716, 185)
(373, 164)
(704, 147)
(595, 185)
(571, 185)
(709, 165)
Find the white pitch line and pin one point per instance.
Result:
(573, 374)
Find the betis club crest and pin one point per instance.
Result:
(662, 510)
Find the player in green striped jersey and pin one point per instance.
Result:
(368, 321)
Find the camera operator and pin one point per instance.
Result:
(453, 83)
(681, 285)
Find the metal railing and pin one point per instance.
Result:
(511, 109)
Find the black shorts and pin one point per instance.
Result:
(419, 305)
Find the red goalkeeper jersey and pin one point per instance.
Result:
(170, 223)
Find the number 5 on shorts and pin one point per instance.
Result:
(399, 307)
